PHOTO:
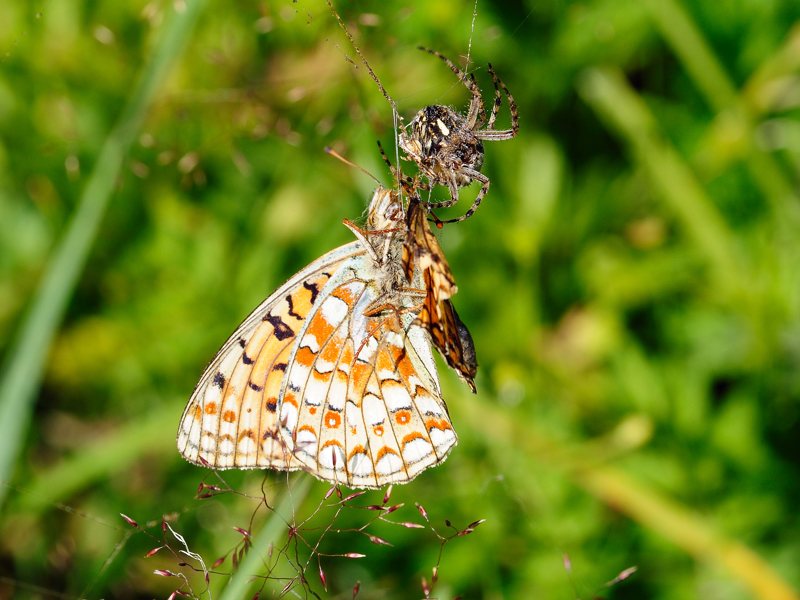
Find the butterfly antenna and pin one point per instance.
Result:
(335, 154)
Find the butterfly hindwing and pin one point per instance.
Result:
(231, 418)
(361, 403)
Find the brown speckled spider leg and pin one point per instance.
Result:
(477, 176)
(490, 133)
(498, 100)
(475, 112)
(453, 187)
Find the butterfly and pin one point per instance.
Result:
(438, 315)
(332, 373)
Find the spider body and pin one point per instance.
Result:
(447, 146)
(442, 143)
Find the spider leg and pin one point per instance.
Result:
(476, 116)
(451, 183)
(498, 99)
(505, 134)
(470, 83)
(477, 176)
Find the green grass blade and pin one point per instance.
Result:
(152, 433)
(27, 356)
(607, 92)
(708, 74)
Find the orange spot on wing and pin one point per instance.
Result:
(247, 433)
(229, 416)
(384, 362)
(360, 375)
(344, 293)
(347, 355)
(308, 428)
(198, 413)
(304, 357)
(405, 367)
(290, 399)
(321, 377)
(378, 430)
(320, 328)
(438, 424)
(266, 354)
(330, 353)
(357, 450)
(383, 452)
(274, 378)
(312, 410)
(211, 408)
(332, 419)
(332, 443)
(414, 435)
(403, 417)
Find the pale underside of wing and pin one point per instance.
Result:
(361, 403)
(231, 418)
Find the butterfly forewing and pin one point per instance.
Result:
(421, 250)
(438, 315)
(231, 418)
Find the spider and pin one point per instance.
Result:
(447, 146)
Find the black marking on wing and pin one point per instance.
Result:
(255, 387)
(290, 302)
(246, 359)
(272, 405)
(279, 367)
(219, 380)
(282, 330)
(242, 342)
(313, 288)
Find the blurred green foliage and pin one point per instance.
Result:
(632, 283)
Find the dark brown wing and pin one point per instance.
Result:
(449, 334)
(422, 250)
(438, 316)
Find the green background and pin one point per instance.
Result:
(632, 284)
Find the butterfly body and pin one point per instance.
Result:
(331, 374)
